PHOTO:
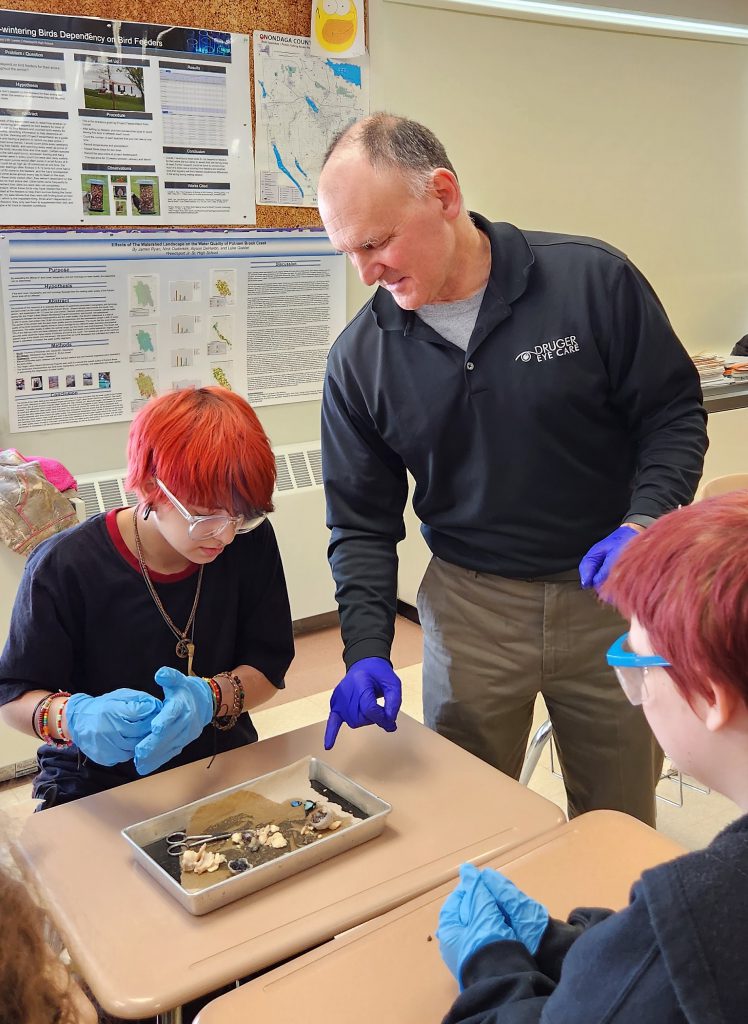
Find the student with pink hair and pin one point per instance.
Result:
(676, 954)
(140, 638)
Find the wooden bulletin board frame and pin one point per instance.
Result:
(291, 17)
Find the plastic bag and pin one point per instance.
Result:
(31, 508)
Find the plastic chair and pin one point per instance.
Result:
(723, 485)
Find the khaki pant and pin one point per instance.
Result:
(492, 644)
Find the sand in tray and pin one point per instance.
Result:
(247, 810)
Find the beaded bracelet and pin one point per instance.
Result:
(42, 706)
(34, 714)
(229, 720)
(56, 741)
(58, 721)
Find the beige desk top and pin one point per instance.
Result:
(142, 954)
(390, 969)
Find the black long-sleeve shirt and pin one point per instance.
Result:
(574, 407)
(675, 955)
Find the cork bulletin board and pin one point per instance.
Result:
(291, 17)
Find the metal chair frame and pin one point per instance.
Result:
(544, 734)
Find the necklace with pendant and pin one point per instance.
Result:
(185, 647)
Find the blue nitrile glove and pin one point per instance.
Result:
(108, 728)
(188, 708)
(469, 920)
(527, 917)
(354, 699)
(597, 563)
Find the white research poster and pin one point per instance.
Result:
(97, 324)
(111, 122)
(301, 103)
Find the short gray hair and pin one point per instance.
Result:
(395, 142)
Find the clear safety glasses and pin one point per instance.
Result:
(203, 527)
(632, 668)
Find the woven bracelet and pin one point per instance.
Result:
(228, 721)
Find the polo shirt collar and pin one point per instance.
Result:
(511, 262)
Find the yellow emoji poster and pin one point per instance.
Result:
(337, 28)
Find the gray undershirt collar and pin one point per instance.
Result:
(454, 321)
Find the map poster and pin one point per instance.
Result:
(301, 103)
(127, 124)
(96, 324)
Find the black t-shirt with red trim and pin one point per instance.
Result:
(84, 621)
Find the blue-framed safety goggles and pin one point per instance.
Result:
(631, 668)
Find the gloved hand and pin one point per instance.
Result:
(108, 728)
(354, 699)
(188, 708)
(469, 920)
(597, 563)
(527, 918)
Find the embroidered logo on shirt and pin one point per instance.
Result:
(549, 350)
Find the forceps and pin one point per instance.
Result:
(177, 842)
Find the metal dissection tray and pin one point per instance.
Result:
(287, 783)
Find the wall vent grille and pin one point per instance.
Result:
(299, 467)
(101, 492)
(283, 478)
(314, 455)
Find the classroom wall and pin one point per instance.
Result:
(728, 444)
(89, 449)
(641, 140)
(730, 11)
(638, 139)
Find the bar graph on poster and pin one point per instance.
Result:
(96, 324)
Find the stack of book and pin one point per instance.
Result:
(711, 369)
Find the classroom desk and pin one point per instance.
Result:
(142, 954)
(390, 969)
(725, 397)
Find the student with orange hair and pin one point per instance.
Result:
(676, 954)
(139, 638)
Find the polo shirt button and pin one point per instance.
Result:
(469, 366)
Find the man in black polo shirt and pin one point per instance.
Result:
(533, 386)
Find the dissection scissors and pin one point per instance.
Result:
(177, 842)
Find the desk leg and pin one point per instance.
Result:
(170, 1016)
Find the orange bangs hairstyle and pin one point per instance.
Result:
(208, 446)
(685, 579)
